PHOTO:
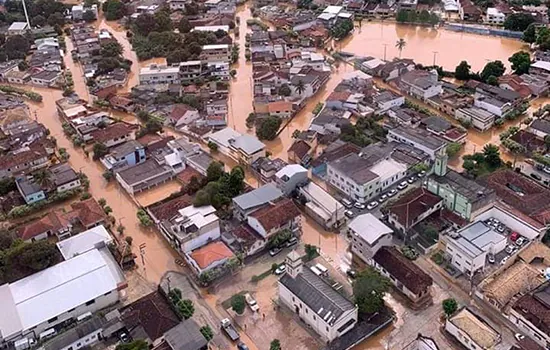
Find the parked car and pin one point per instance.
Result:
(359, 206)
(504, 260)
(124, 337)
(351, 273)
(411, 179)
(372, 205)
(500, 228)
(349, 214)
(510, 249)
(382, 198)
(280, 270)
(347, 203)
(242, 346)
(251, 302)
(546, 170)
(402, 185)
(514, 236)
(491, 259)
(392, 192)
(275, 251)
(536, 176)
(422, 173)
(520, 241)
(292, 241)
(519, 336)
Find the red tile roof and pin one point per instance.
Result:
(179, 111)
(168, 209)
(112, 131)
(277, 214)
(88, 212)
(53, 222)
(210, 253)
(187, 174)
(32, 155)
(339, 96)
(403, 269)
(414, 203)
(300, 148)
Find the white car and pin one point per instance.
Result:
(349, 214)
(251, 302)
(422, 173)
(402, 185)
(382, 198)
(392, 193)
(280, 270)
(546, 170)
(520, 241)
(519, 336)
(372, 205)
(504, 260)
(411, 179)
(360, 206)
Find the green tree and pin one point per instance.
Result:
(521, 62)
(400, 44)
(184, 26)
(111, 49)
(547, 142)
(453, 148)
(275, 344)
(114, 10)
(492, 80)
(462, 71)
(518, 21)
(369, 288)
(88, 16)
(212, 146)
(492, 155)
(449, 306)
(530, 33)
(424, 16)
(23, 66)
(185, 308)
(402, 16)
(102, 202)
(138, 344)
(144, 218)
(38, 21)
(250, 120)
(207, 332)
(300, 86)
(285, 90)
(214, 171)
(100, 150)
(35, 256)
(43, 178)
(311, 251)
(268, 128)
(238, 303)
(493, 68)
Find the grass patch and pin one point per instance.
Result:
(257, 278)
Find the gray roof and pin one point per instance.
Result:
(260, 196)
(419, 136)
(72, 335)
(27, 186)
(330, 116)
(185, 336)
(201, 159)
(317, 295)
(477, 237)
(63, 174)
(148, 169)
(541, 125)
(125, 148)
(46, 75)
(249, 144)
(355, 167)
(461, 184)
(437, 123)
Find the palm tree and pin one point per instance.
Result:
(42, 177)
(300, 87)
(400, 44)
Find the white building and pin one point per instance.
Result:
(86, 283)
(215, 53)
(18, 28)
(194, 227)
(290, 177)
(352, 176)
(468, 247)
(472, 331)
(321, 307)
(210, 28)
(495, 16)
(159, 74)
(322, 207)
(479, 118)
(418, 138)
(239, 147)
(209, 256)
(95, 238)
(368, 235)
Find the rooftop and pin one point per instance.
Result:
(461, 184)
(476, 328)
(210, 253)
(96, 237)
(355, 167)
(125, 149)
(277, 214)
(186, 336)
(111, 132)
(166, 210)
(63, 174)
(260, 196)
(475, 239)
(412, 204)
(403, 269)
(141, 172)
(535, 307)
(369, 228)
(419, 136)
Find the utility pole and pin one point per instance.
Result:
(435, 55)
(385, 47)
(142, 253)
(26, 15)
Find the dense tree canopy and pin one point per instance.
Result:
(114, 9)
(462, 71)
(268, 127)
(518, 21)
(368, 289)
(494, 68)
(521, 62)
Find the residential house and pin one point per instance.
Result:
(84, 284)
(421, 84)
(114, 134)
(281, 109)
(469, 246)
(411, 208)
(64, 177)
(158, 74)
(322, 308)
(403, 273)
(45, 78)
(418, 138)
(494, 16)
(515, 83)
(329, 121)
(540, 68)
(216, 53)
(290, 177)
(479, 118)
(95, 238)
(352, 176)
(243, 148)
(185, 336)
(208, 257)
(17, 77)
(247, 203)
(26, 159)
(368, 235)
(322, 207)
(496, 100)
(182, 115)
(468, 11)
(129, 153)
(244, 239)
(31, 191)
(14, 118)
(540, 127)
(216, 107)
(393, 69)
(471, 330)
(299, 152)
(275, 217)
(450, 100)
(460, 194)
(332, 152)
(266, 168)
(148, 174)
(18, 28)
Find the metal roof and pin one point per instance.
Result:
(262, 195)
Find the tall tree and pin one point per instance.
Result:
(300, 86)
(521, 62)
(494, 68)
(518, 21)
(462, 71)
(400, 44)
(449, 306)
(492, 155)
(369, 288)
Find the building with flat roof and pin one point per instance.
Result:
(368, 235)
(86, 283)
(158, 74)
(468, 247)
(418, 138)
(237, 146)
(322, 207)
(95, 238)
(321, 307)
(471, 330)
(352, 175)
(477, 117)
(248, 202)
(144, 176)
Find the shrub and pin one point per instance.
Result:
(238, 303)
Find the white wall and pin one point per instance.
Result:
(364, 250)
(462, 262)
(359, 192)
(513, 222)
(69, 186)
(211, 234)
(529, 329)
(87, 340)
(462, 337)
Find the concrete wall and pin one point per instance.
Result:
(87, 340)
(69, 186)
(513, 222)
(463, 262)
(529, 329)
(366, 251)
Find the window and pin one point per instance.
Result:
(314, 318)
(327, 328)
(71, 310)
(90, 302)
(51, 320)
(107, 293)
(307, 311)
(293, 299)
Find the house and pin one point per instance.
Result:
(322, 207)
(18, 28)
(290, 177)
(479, 118)
(244, 239)
(26, 159)
(368, 235)
(394, 69)
(540, 127)
(244, 148)
(216, 53)
(31, 191)
(471, 330)
(530, 313)
(329, 121)
(158, 74)
(418, 138)
(246, 203)
(184, 336)
(332, 152)
(413, 207)
(95, 238)
(281, 109)
(86, 283)
(17, 77)
(87, 332)
(540, 68)
(352, 176)
(114, 134)
(494, 16)
(468, 11)
(496, 100)
(516, 83)
(267, 168)
(422, 343)
(299, 152)
(322, 308)
(460, 194)
(469, 246)
(64, 177)
(273, 218)
(192, 227)
(45, 78)
(421, 84)
(403, 273)
(182, 115)
(143, 176)
(127, 154)
(88, 213)
(209, 256)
